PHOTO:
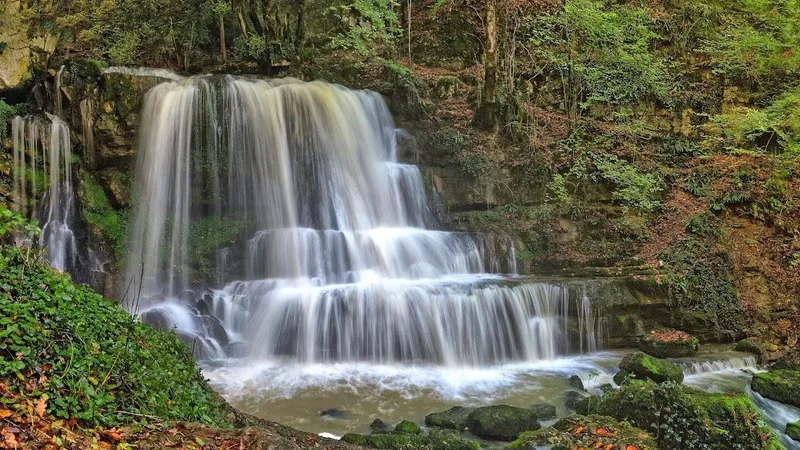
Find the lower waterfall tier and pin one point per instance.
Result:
(457, 321)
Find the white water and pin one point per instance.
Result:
(144, 72)
(44, 146)
(334, 255)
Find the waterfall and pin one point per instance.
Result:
(705, 367)
(46, 143)
(288, 198)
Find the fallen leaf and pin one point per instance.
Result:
(578, 430)
(5, 413)
(41, 407)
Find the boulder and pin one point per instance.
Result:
(643, 366)
(682, 417)
(669, 344)
(587, 432)
(793, 430)
(408, 427)
(779, 385)
(576, 382)
(332, 413)
(378, 424)
(502, 422)
(454, 418)
(544, 411)
(571, 399)
(748, 346)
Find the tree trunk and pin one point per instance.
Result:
(223, 49)
(300, 30)
(408, 24)
(487, 114)
(242, 23)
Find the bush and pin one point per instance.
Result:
(93, 361)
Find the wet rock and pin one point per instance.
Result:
(779, 385)
(606, 387)
(332, 413)
(157, 319)
(378, 424)
(237, 349)
(793, 430)
(502, 422)
(643, 366)
(215, 330)
(571, 399)
(408, 427)
(544, 411)
(669, 344)
(187, 297)
(576, 382)
(454, 418)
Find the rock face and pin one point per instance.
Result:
(20, 53)
(779, 385)
(502, 422)
(669, 344)
(454, 418)
(643, 367)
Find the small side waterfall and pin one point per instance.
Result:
(288, 198)
(704, 367)
(43, 157)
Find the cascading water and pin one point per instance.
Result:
(45, 143)
(329, 252)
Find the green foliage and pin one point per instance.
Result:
(91, 358)
(563, 435)
(367, 27)
(6, 113)
(633, 188)
(680, 417)
(701, 283)
(98, 212)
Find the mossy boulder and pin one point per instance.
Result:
(438, 440)
(669, 344)
(586, 432)
(793, 430)
(681, 417)
(779, 385)
(408, 427)
(572, 398)
(502, 422)
(454, 418)
(544, 411)
(748, 346)
(643, 366)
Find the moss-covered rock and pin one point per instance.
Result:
(454, 418)
(669, 344)
(572, 398)
(682, 417)
(793, 430)
(544, 411)
(748, 346)
(502, 422)
(779, 385)
(408, 427)
(587, 432)
(437, 440)
(643, 366)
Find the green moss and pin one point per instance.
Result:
(355, 439)
(454, 418)
(643, 366)
(107, 222)
(408, 427)
(779, 385)
(681, 417)
(502, 422)
(749, 346)
(544, 411)
(563, 435)
(793, 430)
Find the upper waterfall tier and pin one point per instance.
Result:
(308, 170)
